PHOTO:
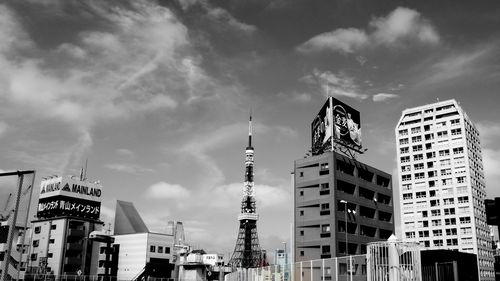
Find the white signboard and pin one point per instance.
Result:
(72, 187)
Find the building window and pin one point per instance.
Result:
(301, 193)
(160, 250)
(324, 169)
(445, 152)
(152, 249)
(449, 211)
(436, 222)
(49, 255)
(38, 229)
(36, 243)
(301, 253)
(301, 213)
(464, 220)
(324, 189)
(52, 241)
(301, 233)
(167, 250)
(53, 226)
(325, 228)
(410, 234)
(435, 213)
(438, 243)
(407, 196)
(416, 139)
(325, 249)
(451, 221)
(325, 209)
(451, 231)
(301, 174)
(416, 148)
(403, 150)
(34, 257)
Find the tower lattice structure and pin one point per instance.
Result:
(247, 252)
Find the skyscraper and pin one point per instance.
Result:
(441, 186)
(247, 252)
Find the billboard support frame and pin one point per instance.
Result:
(20, 180)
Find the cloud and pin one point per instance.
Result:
(399, 25)
(218, 15)
(489, 133)
(225, 17)
(491, 163)
(403, 23)
(163, 190)
(381, 97)
(141, 63)
(333, 84)
(341, 40)
(128, 168)
(125, 152)
(456, 65)
(3, 127)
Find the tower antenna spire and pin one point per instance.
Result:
(250, 129)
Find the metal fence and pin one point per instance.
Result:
(349, 268)
(52, 277)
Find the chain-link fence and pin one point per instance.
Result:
(348, 268)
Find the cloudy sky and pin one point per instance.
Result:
(156, 94)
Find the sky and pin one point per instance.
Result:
(157, 94)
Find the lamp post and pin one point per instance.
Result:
(345, 219)
(286, 255)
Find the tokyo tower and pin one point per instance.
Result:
(247, 253)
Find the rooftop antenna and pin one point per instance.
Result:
(83, 171)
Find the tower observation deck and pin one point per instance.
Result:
(247, 252)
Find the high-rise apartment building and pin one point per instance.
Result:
(441, 182)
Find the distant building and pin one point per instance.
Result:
(67, 212)
(141, 252)
(442, 187)
(280, 257)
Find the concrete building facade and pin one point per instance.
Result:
(68, 211)
(337, 198)
(441, 182)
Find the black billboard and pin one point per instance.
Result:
(322, 129)
(58, 206)
(335, 122)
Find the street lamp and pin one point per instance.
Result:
(345, 219)
(286, 255)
